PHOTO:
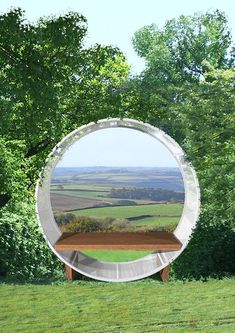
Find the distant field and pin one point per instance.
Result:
(167, 178)
(105, 175)
(67, 203)
(156, 221)
(82, 193)
(85, 187)
(168, 210)
(128, 194)
(99, 195)
(140, 217)
(96, 187)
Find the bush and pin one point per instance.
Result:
(87, 224)
(121, 225)
(25, 253)
(210, 252)
(96, 224)
(126, 202)
(63, 218)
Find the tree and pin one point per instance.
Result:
(178, 56)
(187, 89)
(185, 48)
(210, 145)
(50, 84)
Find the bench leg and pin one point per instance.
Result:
(69, 273)
(165, 274)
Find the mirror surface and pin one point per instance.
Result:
(117, 179)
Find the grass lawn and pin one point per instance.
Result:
(146, 306)
(116, 255)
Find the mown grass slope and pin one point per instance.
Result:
(145, 306)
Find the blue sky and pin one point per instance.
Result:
(118, 147)
(113, 22)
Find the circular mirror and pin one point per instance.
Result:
(117, 176)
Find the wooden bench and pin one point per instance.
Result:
(153, 241)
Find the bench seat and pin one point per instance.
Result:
(154, 241)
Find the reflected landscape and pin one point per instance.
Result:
(117, 179)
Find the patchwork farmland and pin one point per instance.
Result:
(145, 197)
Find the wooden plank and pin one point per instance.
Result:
(161, 240)
(69, 273)
(165, 274)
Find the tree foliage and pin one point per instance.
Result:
(188, 90)
(211, 146)
(24, 252)
(50, 84)
(178, 56)
(185, 48)
(154, 194)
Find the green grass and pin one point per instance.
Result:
(139, 307)
(153, 221)
(116, 255)
(129, 211)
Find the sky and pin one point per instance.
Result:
(117, 147)
(114, 23)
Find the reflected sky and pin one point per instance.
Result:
(118, 147)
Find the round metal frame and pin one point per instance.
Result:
(118, 271)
